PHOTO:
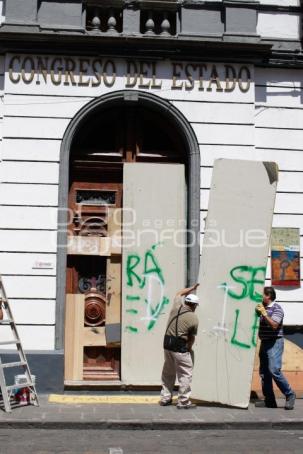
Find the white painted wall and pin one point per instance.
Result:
(2, 17)
(279, 134)
(266, 123)
(278, 25)
(2, 64)
(280, 2)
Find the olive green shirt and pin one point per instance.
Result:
(187, 322)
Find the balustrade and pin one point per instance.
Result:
(155, 18)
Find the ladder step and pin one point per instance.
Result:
(5, 390)
(10, 342)
(15, 364)
(21, 385)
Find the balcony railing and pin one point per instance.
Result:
(104, 20)
(148, 17)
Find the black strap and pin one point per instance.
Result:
(176, 317)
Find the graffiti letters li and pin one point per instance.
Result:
(146, 298)
(246, 283)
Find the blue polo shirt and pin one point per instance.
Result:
(276, 313)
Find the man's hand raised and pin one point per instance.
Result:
(261, 310)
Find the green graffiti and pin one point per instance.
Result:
(247, 276)
(151, 266)
(141, 273)
(155, 312)
(234, 340)
(150, 259)
(255, 329)
(132, 311)
(132, 262)
(132, 329)
(132, 298)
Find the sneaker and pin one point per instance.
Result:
(290, 402)
(165, 403)
(264, 404)
(186, 407)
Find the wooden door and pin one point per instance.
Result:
(93, 278)
(93, 286)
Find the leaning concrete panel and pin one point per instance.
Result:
(232, 273)
(153, 264)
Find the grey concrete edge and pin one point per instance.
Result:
(193, 152)
(136, 424)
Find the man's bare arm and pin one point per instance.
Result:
(274, 325)
(188, 290)
(262, 311)
(190, 342)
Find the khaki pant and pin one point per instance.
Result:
(180, 365)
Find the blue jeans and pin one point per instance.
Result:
(270, 368)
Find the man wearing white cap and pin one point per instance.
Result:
(179, 337)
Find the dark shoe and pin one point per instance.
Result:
(265, 404)
(187, 406)
(165, 403)
(290, 402)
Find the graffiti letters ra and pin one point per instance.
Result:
(145, 276)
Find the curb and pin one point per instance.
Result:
(152, 425)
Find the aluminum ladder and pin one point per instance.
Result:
(6, 391)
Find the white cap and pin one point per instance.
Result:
(192, 299)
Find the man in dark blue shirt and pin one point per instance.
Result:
(271, 350)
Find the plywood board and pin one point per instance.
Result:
(93, 336)
(113, 290)
(292, 358)
(113, 297)
(153, 266)
(232, 274)
(77, 336)
(74, 321)
(114, 225)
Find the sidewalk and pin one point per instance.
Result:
(149, 416)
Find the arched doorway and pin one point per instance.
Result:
(127, 127)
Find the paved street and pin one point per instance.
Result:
(34, 441)
(116, 428)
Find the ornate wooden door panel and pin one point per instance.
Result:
(93, 282)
